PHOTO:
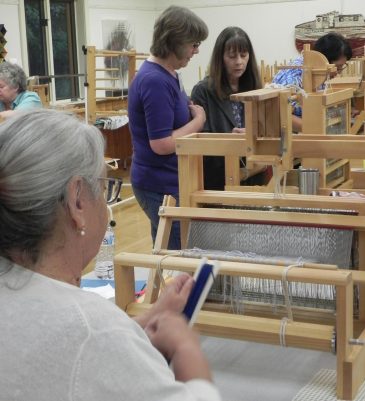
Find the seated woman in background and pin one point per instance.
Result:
(233, 69)
(59, 342)
(335, 48)
(13, 91)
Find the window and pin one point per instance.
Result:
(36, 39)
(51, 43)
(64, 46)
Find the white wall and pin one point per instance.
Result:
(269, 23)
(141, 14)
(270, 26)
(9, 16)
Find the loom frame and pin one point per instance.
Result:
(116, 105)
(190, 150)
(350, 358)
(261, 149)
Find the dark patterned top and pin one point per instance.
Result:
(238, 114)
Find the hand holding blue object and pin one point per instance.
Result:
(203, 278)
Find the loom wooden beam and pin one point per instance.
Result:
(330, 148)
(336, 277)
(314, 146)
(211, 145)
(111, 113)
(258, 329)
(256, 95)
(266, 217)
(273, 263)
(114, 53)
(337, 96)
(91, 73)
(269, 199)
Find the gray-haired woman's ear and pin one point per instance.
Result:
(40, 151)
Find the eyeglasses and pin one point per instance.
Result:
(112, 189)
(196, 45)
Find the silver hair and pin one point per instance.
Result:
(13, 75)
(40, 151)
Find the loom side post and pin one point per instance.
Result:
(354, 370)
(344, 332)
(161, 242)
(286, 131)
(124, 290)
(190, 178)
(361, 250)
(90, 112)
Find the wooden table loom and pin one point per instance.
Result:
(310, 330)
(324, 111)
(268, 141)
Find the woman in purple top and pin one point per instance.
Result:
(159, 112)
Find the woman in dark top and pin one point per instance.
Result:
(233, 69)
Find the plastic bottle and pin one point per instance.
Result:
(104, 264)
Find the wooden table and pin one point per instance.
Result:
(119, 144)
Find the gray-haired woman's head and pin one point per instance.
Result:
(40, 151)
(13, 75)
(174, 28)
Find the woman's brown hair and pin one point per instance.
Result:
(174, 28)
(237, 40)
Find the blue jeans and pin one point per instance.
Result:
(150, 203)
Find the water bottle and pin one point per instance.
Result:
(104, 265)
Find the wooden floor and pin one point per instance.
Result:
(132, 232)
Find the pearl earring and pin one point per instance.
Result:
(82, 232)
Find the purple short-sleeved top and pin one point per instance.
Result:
(157, 105)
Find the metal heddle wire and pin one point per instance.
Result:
(269, 243)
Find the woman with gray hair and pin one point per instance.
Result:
(13, 91)
(57, 341)
(160, 112)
